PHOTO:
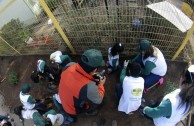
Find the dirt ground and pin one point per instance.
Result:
(24, 65)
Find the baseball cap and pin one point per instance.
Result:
(26, 88)
(144, 45)
(93, 58)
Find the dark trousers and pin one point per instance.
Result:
(119, 90)
(150, 79)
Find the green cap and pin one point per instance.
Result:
(93, 58)
(144, 45)
(65, 57)
(26, 88)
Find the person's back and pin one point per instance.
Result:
(77, 89)
(133, 87)
(175, 104)
(177, 112)
(25, 98)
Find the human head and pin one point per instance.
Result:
(117, 48)
(26, 88)
(134, 69)
(91, 59)
(146, 48)
(187, 88)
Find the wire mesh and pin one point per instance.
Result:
(94, 24)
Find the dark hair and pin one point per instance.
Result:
(117, 48)
(135, 69)
(149, 52)
(86, 67)
(187, 93)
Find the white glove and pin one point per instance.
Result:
(126, 62)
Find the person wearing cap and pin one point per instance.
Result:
(78, 90)
(113, 57)
(45, 72)
(131, 88)
(35, 116)
(27, 100)
(58, 58)
(153, 63)
(176, 104)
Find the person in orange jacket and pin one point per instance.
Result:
(79, 92)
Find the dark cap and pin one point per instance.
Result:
(26, 88)
(144, 45)
(93, 58)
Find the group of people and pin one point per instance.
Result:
(80, 92)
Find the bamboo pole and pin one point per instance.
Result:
(56, 24)
(189, 33)
(9, 45)
(6, 6)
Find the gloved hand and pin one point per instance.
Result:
(126, 62)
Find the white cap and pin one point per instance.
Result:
(191, 68)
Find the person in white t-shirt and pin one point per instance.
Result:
(113, 57)
(176, 104)
(131, 88)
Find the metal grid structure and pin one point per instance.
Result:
(98, 24)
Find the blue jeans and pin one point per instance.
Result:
(119, 90)
(150, 79)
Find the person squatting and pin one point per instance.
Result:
(81, 87)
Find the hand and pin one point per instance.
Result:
(145, 109)
(126, 62)
(103, 81)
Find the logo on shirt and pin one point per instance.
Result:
(137, 92)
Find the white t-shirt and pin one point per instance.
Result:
(132, 94)
(111, 58)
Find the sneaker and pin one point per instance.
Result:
(114, 123)
(95, 112)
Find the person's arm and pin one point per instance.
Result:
(93, 93)
(31, 100)
(123, 74)
(134, 59)
(52, 112)
(148, 68)
(163, 110)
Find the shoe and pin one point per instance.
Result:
(114, 123)
(95, 112)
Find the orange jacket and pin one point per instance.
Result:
(78, 91)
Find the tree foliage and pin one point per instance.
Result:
(14, 32)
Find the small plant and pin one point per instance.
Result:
(13, 78)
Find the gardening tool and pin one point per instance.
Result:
(160, 82)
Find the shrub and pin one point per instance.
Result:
(13, 78)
